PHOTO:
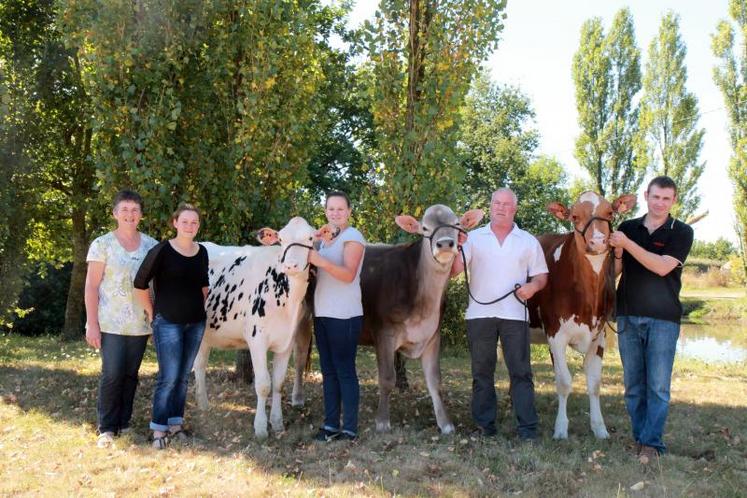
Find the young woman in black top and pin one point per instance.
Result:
(179, 270)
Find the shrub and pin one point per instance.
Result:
(453, 327)
(41, 307)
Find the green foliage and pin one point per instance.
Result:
(50, 193)
(607, 75)
(497, 148)
(421, 56)
(729, 76)
(669, 115)
(720, 250)
(209, 102)
(14, 194)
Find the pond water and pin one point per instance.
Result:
(713, 343)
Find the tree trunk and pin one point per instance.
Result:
(244, 368)
(74, 308)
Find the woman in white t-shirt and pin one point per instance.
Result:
(115, 323)
(338, 318)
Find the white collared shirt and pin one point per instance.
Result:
(494, 270)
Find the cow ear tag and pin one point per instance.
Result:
(408, 224)
(267, 236)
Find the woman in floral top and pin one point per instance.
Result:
(116, 324)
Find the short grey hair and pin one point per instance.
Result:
(505, 189)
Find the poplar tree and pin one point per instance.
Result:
(669, 116)
(607, 76)
(731, 78)
(422, 56)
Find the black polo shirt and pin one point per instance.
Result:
(642, 292)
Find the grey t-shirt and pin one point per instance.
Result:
(334, 298)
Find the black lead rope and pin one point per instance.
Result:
(504, 296)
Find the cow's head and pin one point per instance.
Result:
(592, 216)
(441, 227)
(295, 241)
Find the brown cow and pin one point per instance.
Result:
(579, 297)
(403, 289)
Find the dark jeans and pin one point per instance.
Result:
(337, 341)
(121, 356)
(483, 334)
(176, 348)
(647, 347)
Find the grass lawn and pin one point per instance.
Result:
(48, 413)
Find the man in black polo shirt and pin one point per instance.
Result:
(650, 252)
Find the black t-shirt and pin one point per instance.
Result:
(177, 282)
(642, 292)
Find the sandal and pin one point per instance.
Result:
(161, 443)
(182, 435)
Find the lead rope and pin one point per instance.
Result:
(513, 291)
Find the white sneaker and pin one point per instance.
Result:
(105, 439)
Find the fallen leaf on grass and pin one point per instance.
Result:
(637, 486)
(350, 465)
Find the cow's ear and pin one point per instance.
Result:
(471, 218)
(408, 224)
(267, 236)
(327, 232)
(558, 210)
(624, 203)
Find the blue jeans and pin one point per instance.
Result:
(337, 341)
(121, 356)
(647, 347)
(176, 347)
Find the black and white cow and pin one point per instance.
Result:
(256, 300)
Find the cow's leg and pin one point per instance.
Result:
(593, 370)
(279, 369)
(302, 352)
(385, 363)
(563, 379)
(432, 372)
(200, 367)
(262, 387)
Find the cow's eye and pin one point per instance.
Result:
(425, 229)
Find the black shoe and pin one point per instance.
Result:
(346, 436)
(325, 436)
(482, 432)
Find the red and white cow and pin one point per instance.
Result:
(256, 300)
(579, 297)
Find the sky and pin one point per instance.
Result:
(536, 53)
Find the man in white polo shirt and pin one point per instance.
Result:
(499, 256)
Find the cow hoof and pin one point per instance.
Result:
(560, 435)
(261, 435)
(278, 426)
(448, 429)
(297, 402)
(383, 426)
(203, 406)
(601, 432)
